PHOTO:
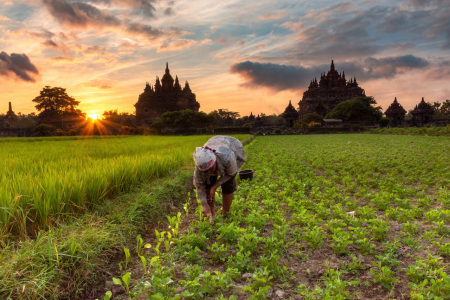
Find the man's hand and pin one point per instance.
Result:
(207, 212)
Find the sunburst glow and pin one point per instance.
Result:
(93, 116)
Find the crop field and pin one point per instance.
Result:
(326, 217)
(44, 178)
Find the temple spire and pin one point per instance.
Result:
(332, 65)
(10, 108)
(167, 68)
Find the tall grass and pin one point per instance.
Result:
(46, 178)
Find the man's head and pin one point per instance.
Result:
(204, 158)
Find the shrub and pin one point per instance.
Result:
(72, 132)
(43, 129)
(312, 117)
(268, 132)
(277, 131)
(59, 132)
(149, 131)
(314, 124)
(247, 125)
(384, 122)
(259, 133)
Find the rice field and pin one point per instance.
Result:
(45, 178)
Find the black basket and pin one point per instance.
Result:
(246, 174)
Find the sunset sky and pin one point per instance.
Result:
(241, 55)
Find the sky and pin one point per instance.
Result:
(247, 56)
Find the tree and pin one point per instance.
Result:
(409, 115)
(441, 110)
(55, 98)
(384, 121)
(358, 109)
(183, 119)
(221, 115)
(312, 117)
(122, 118)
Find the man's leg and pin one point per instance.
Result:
(227, 200)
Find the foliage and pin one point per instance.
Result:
(122, 118)
(435, 131)
(312, 117)
(55, 98)
(384, 121)
(358, 109)
(43, 130)
(183, 119)
(441, 110)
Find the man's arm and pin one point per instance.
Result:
(200, 186)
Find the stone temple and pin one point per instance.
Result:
(164, 96)
(322, 96)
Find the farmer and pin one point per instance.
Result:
(221, 155)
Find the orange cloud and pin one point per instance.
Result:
(273, 16)
(3, 18)
(261, 46)
(176, 45)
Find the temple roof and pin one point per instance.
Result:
(423, 108)
(167, 78)
(290, 111)
(395, 108)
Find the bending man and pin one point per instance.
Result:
(221, 155)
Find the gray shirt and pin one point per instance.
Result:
(230, 156)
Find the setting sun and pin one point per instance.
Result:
(93, 116)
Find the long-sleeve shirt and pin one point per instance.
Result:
(230, 156)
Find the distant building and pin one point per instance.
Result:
(290, 115)
(396, 114)
(10, 114)
(332, 89)
(422, 114)
(163, 97)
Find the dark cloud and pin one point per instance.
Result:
(19, 66)
(169, 11)
(274, 76)
(428, 3)
(43, 33)
(403, 47)
(331, 37)
(144, 30)
(50, 44)
(287, 77)
(141, 6)
(83, 15)
(79, 14)
(341, 8)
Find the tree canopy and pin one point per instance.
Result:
(183, 119)
(312, 117)
(358, 109)
(55, 98)
(441, 110)
(122, 118)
